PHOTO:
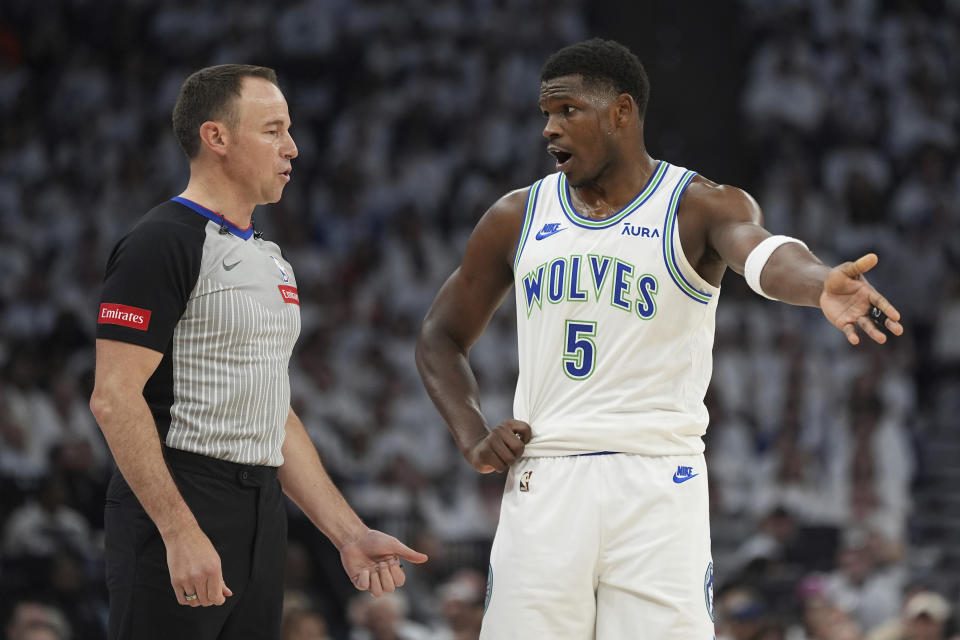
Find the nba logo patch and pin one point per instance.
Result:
(525, 481)
(283, 272)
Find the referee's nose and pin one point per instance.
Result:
(289, 149)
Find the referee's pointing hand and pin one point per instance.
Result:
(373, 562)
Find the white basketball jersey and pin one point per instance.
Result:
(615, 328)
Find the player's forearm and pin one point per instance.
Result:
(131, 433)
(452, 385)
(794, 275)
(306, 482)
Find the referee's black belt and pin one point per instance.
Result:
(246, 475)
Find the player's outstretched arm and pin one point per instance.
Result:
(791, 273)
(371, 558)
(456, 319)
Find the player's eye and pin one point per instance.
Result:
(568, 109)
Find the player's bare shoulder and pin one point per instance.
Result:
(508, 210)
(498, 230)
(708, 203)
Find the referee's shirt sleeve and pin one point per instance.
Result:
(149, 277)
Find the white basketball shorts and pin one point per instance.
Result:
(609, 546)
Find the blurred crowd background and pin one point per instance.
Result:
(834, 470)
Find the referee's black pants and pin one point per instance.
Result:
(241, 510)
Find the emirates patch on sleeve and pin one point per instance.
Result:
(121, 314)
(290, 294)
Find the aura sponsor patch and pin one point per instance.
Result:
(290, 294)
(123, 315)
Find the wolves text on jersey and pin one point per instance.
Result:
(572, 278)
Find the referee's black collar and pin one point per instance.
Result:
(244, 234)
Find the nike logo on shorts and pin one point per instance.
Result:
(683, 474)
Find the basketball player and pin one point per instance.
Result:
(198, 318)
(616, 262)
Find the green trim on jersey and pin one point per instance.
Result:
(670, 251)
(527, 220)
(636, 203)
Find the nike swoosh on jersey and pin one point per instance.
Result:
(548, 230)
(228, 267)
(679, 479)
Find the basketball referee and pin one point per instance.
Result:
(197, 321)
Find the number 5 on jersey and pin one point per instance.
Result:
(580, 352)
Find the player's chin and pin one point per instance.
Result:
(575, 179)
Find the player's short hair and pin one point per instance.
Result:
(605, 62)
(209, 94)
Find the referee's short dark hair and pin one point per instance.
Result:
(602, 61)
(209, 94)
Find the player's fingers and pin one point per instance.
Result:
(879, 318)
(867, 326)
(504, 456)
(865, 263)
(386, 578)
(513, 441)
(851, 334)
(522, 430)
(376, 590)
(884, 305)
(893, 327)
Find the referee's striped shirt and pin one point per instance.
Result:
(224, 310)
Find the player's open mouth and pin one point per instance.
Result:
(286, 175)
(562, 157)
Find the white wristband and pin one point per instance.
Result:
(757, 260)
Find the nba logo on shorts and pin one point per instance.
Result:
(525, 481)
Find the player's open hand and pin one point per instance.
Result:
(501, 447)
(373, 562)
(847, 300)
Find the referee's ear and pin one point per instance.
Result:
(214, 136)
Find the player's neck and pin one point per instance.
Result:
(614, 189)
(220, 198)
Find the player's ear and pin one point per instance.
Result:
(624, 109)
(214, 135)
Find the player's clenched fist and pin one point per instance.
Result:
(501, 447)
